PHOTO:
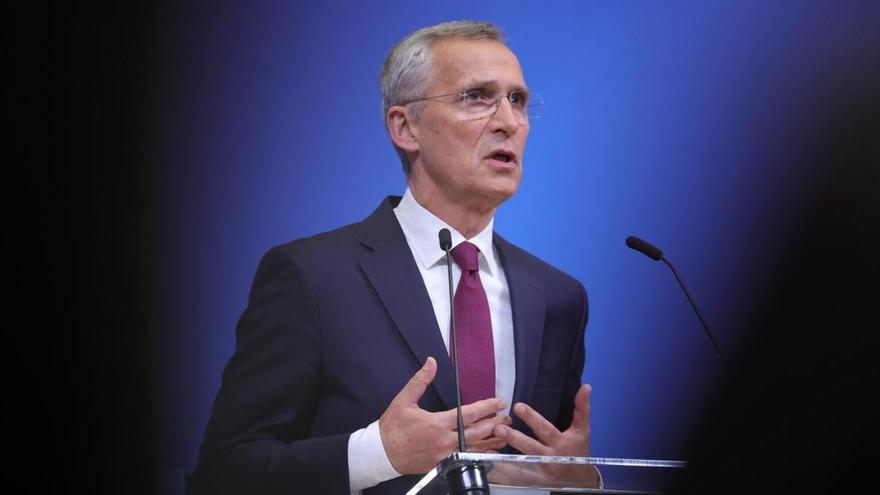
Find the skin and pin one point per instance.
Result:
(416, 440)
(452, 176)
(574, 441)
(455, 178)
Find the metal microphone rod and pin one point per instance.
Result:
(453, 344)
(697, 310)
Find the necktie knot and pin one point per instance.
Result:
(465, 256)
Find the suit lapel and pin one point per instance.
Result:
(527, 304)
(388, 264)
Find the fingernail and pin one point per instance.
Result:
(501, 431)
(519, 408)
(501, 405)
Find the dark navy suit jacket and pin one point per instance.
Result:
(335, 326)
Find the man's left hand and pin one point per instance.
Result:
(575, 441)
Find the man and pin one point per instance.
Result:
(341, 379)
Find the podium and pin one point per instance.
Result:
(506, 474)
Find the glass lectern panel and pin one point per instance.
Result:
(529, 474)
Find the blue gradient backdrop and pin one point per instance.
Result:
(680, 122)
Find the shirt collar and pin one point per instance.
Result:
(420, 227)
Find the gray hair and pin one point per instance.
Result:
(406, 74)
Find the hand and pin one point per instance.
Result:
(416, 440)
(575, 441)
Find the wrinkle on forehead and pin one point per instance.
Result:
(459, 62)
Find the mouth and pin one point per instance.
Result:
(503, 156)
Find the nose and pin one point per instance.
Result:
(505, 118)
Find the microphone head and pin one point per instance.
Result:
(644, 247)
(445, 239)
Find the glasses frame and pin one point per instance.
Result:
(535, 100)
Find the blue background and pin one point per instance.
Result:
(686, 123)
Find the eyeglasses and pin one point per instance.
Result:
(481, 103)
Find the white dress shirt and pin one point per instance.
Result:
(368, 465)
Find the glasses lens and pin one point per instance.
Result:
(479, 105)
(535, 106)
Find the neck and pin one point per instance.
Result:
(468, 219)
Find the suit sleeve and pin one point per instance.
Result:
(258, 438)
(576, 367)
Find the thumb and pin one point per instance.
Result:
(416, 386)
(581, 418)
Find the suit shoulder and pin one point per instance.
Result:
(550, 273)
(346, 241)
(325, 244)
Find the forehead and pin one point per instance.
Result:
(460, 61)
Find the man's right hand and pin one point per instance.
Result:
(416, 440)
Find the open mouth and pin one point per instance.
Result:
(502, 157)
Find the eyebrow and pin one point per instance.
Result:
(492, 83)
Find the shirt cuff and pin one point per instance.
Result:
(368, 465)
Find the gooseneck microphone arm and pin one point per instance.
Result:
(446, 244)
(696, 309)
(462, 477)
(656, 254)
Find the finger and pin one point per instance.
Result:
(520, 441)
(476, 411)
(484, 429)
(473, 412)
(544, 430)
(494, 421)
(416, 386)
(580, 420)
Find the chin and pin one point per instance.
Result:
(500, 194)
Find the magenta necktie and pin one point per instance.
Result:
(474, 329)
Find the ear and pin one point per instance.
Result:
(402, 128)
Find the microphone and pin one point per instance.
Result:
(644, 247)
(656, 254)
(445, 240)
(462, 477)
(446, 244)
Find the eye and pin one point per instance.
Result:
(518, 98)
(474, 95)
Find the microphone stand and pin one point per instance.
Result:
(696, 309)
(656, 254)
(463, 477)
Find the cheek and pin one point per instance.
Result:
(458, 141)
(523, 135)
(460, 144)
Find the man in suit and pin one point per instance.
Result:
(342, 379)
